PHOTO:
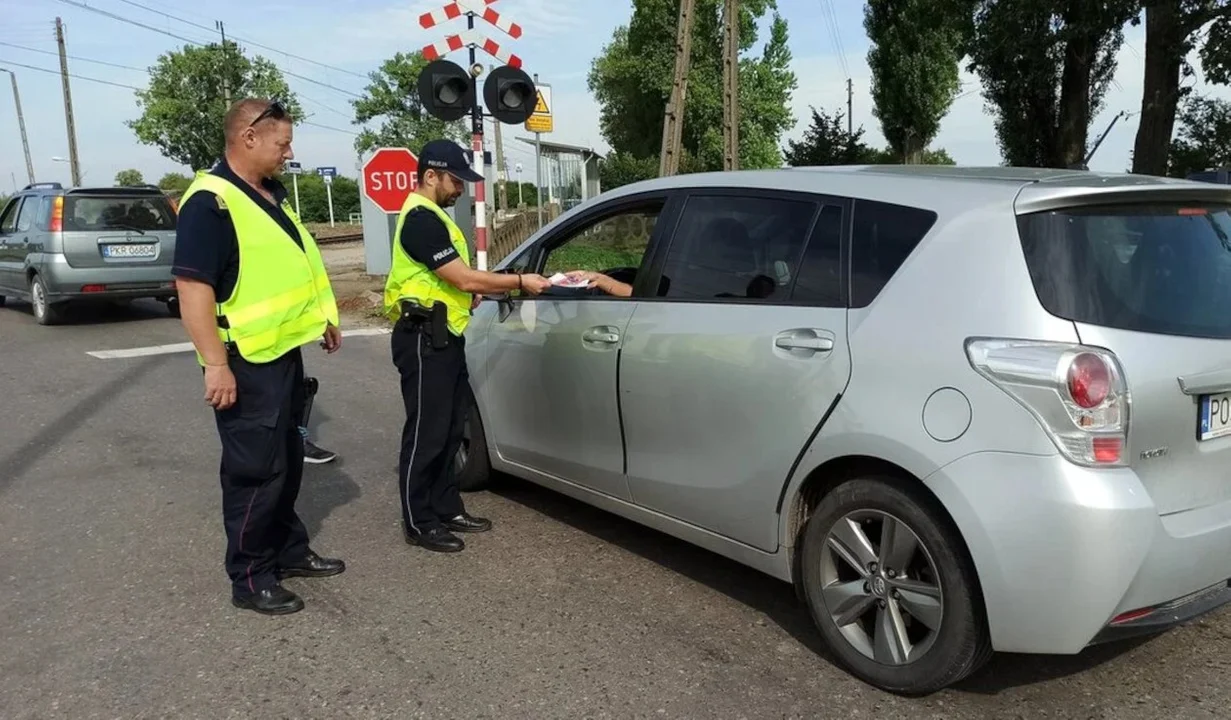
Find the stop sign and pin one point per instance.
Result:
(389, 176)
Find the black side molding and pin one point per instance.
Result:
(799, 458)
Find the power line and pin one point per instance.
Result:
(74, 57)
(76, 77)
(181, 38)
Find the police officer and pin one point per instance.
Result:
(253, 290)
(429, 295)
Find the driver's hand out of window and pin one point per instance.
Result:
(604, 283)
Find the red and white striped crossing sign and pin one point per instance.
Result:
(470, 36)
(455, 9)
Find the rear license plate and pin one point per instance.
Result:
(1215, 418)
(129, 250)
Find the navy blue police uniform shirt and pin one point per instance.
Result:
(426, 240)
(206, 247)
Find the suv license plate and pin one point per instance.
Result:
(1215, 418)
(129, 250)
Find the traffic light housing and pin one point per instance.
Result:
(510, 95)
(446, 90)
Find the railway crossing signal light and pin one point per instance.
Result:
(446, 90)
(510, 95)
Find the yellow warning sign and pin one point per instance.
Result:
(541, 120)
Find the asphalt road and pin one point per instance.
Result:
(114, 602)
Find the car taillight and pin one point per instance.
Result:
(1077, 393)
(57, 214)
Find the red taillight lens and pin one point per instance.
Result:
(57, 215)
(1107, 449)
(1089, 380)
(93, 288)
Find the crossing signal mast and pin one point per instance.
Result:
(448, 92)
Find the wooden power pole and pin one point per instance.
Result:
(74, 165)
(730, 86)
(502, 176)
(673, 122)
(226, 88)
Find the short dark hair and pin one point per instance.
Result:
(245, 112)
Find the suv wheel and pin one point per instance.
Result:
(889, 586)
(44, 312)
(472, 464)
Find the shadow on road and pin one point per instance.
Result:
(325, 487)
(777, 600)
(104, 313)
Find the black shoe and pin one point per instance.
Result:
(468, 523)
(437, 538)
(313, 566)
(317, 455)
(274, 601)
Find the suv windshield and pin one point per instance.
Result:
(1155, 268)
(108, 212)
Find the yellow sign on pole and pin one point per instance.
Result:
(541, 120)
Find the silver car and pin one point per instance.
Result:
(60, 246)
(961, 410)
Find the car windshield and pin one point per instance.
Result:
(1162, 269)
(98, 212)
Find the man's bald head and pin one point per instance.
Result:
(243, 112)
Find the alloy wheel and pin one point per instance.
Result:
(39, 297)
(880, 587)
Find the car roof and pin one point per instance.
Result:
(947, 189)
(55, 188)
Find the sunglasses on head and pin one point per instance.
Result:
(275, 111)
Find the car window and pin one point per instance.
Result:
(616, 241)
(820, 273)
(109, 212)
(25, 216)
(737, 247)
(8, 220)
(883, 236)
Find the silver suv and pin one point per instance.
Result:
(961, 410)
(86, 244)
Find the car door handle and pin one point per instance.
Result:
(604, 334)
(803, 340)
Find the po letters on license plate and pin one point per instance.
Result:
(128, 250)
(1214, 419)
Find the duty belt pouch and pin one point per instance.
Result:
(440, 326)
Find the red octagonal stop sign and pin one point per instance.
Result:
(389, 176)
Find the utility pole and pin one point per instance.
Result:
(850, 94)
(673, 122)
(730, 86)
(502, 171)
(74, 165)
(21, 123)
(226, 88)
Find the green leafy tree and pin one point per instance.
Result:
(1203, 140)
(631, 81)
(1045, 67)
(183, 106)
(827, 142)
(174, 183)
(1173, 30)
(916, 49)
(129, 178)
(392, 97)
(314, 201)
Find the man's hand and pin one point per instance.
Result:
(333, 339)
(534, 283)
(219, 387)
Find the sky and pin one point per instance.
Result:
(331, 46)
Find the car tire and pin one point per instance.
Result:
(857, 511)
(46, 313)
(472, 464)
(2, 300)
(173, 307)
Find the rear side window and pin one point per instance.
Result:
(117, 212)
(1163, 269)
(820, 271)
(8, 220)
(25, 216)
(883, 236)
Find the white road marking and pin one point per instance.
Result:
(187, 346)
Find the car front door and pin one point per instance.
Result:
(727, 374)
(10, 241)
(551, 400)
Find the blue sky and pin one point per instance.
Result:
(561, 38)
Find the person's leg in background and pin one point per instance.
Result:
(312, 453)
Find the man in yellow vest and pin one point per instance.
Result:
(253, 290)
(429, 295)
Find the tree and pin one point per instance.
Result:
(1172, 30)
(1204, 137)
(1045, 67)
(393, 96)
(826, 142)
(314, 201)
(129, 178)
(916, 48)
(632, 75)
(174, 183)
(183, 106)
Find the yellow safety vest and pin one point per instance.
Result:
(282, 297)
(411, 280)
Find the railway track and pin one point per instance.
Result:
(338, 239)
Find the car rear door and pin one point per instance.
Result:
(550, 394)
(110, 228)
(727, 373)
(1150, 280)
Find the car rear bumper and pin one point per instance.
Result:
(1070, 556)
(65, 282)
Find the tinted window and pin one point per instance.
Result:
(736, 247)
(105, 212)
(8, 221)
(820, 273)
(1149, 268)
(883, 236)
(25, 216)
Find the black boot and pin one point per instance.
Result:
(273, 601)
(435, 538)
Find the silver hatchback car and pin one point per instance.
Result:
(107, 244)
(962, 410)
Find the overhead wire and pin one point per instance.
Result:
(4, 63)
